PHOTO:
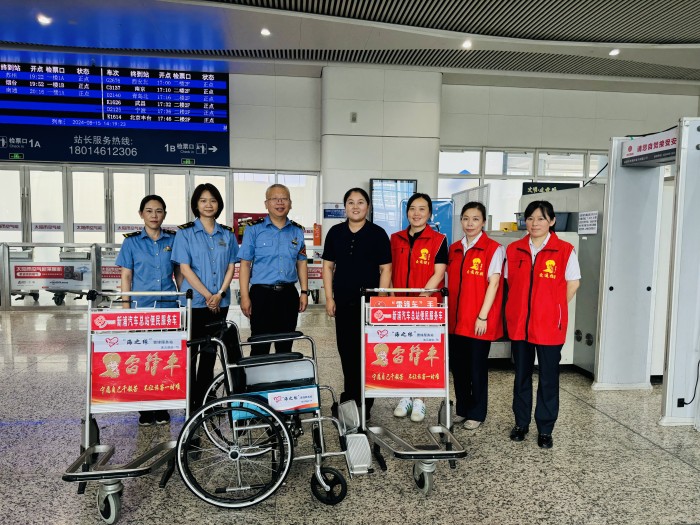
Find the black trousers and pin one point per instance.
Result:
(470, 371)
(547, 408)
(202, 363)
(274, 312)
(348, 334)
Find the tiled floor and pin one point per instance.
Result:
(611, 463)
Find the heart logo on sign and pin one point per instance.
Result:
(112, 341)
(382, 333)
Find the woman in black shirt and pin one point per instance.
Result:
(356, 255)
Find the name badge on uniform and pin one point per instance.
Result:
(295, 242)
(168, 249)
(222, 243)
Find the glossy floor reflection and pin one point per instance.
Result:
(611, 463)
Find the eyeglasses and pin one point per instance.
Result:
(283, 200)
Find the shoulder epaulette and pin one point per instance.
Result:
(258, 221)
(226, 227)
(167, 230)
(186, 225)
(131, 234)
(297, 224)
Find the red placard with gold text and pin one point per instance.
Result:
(412, 315)
(141, 319)
(138, 367)
(403, 302)
(405, 357)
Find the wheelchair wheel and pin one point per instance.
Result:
(335, 480)
(234, 452)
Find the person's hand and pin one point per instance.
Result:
(246, 306)
(213, 302)
(330, 307)
(303, 302)
(480, 327)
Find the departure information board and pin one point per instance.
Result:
(113, 115)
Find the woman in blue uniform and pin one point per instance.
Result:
(206, 252)
(146, 266)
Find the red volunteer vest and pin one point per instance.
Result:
(536, 309)
(414, 269)
(467, 282)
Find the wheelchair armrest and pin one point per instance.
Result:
(274, 337)
(270, 359)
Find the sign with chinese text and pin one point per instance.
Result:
(64, 113)
(51, 276)
(587, 222)
(413, 315)
(138, 368)
(405, 358)
(403, 302)
(141, 319)
(530, 188)
(296, 399)
(652, 150)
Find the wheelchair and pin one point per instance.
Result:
(237, 449)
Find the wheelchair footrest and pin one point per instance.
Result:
(358, 454)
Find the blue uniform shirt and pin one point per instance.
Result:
(274, 252)
(207, 255)
(151, 266)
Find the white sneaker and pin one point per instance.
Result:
(404, 407)
(418, 412)
(472, 424)
(458, 420)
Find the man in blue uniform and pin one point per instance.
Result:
(273, 259)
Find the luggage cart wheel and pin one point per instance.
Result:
(110, 506)
(58, 299)
(423, 479)
(35, 295)
(337, 483)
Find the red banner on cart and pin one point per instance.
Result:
(403, 302)
(416, 315)
(405, 357)
(139, 367)
(127, 320)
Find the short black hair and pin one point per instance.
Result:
(198, 193)
(424, 196)
(355, 190)
(545, 207)
(474, 205)
(151, 198)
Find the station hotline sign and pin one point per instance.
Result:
(64, 113)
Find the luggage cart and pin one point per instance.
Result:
(125, 373)
(405, 354)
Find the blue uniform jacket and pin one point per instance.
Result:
(207, 255)
(274, 252)
(151, 266)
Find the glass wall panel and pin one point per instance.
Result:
(10, 206)
(173, 188)
(559, 164)
(509, 163)
(447, 186)
(129, 189)
(88, 206)
(459, 162)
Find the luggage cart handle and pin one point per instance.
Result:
(442, 290)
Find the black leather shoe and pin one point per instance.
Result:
(545, 441)
(518, 433)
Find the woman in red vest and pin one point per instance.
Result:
(475, 319)
(543, 275)
(419, 260)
